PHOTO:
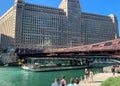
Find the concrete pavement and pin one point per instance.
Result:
(98, 79)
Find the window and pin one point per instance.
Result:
(119, 42)
(97, 45)
(108, 44)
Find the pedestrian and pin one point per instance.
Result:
(71, 82)
(76, 82)
(113, 70)
(63, 81)
(91, 76)
(86, 75)
(55, 83)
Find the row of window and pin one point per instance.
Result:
(94, 17)
(44, 9)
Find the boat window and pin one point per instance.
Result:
(97, 45)
(108, 44)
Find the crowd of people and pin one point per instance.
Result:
(73, 82)
(88, 77)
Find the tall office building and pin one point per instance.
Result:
(27, 25)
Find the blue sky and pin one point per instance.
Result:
(102, 7)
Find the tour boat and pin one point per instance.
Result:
(52, 64)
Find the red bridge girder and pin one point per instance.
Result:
(106, 46)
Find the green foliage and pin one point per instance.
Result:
(112, 82)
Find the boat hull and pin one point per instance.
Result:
(52, 68)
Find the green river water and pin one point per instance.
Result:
(15, 76)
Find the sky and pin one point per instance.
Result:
(102, 7)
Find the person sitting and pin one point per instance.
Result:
(71, 82)
(55, 83)
(76, 82)
(63, 81)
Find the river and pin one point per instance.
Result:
(15, 76)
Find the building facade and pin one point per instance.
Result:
(27, 25)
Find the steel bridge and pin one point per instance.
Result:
(102, 52)
(111, 47)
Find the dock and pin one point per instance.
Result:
(98, 79)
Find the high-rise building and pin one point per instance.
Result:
(27, 25)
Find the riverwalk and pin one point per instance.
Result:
(98, 79)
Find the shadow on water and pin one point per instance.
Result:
(13, 76)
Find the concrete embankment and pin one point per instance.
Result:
(108, 69)
(98, 79)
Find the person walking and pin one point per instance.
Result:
(86, 75)
(63, 81)
(71, 82)
(55, 83)
(113, 70)
(91, 76)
